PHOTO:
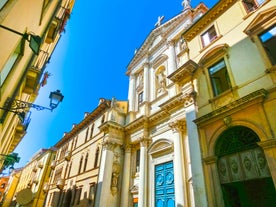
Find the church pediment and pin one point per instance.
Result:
(157, 37)
(160, 147)
(261, 21)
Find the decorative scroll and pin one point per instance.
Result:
(246, 165)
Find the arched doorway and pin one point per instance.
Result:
(243, 172)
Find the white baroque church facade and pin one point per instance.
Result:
(165, 164)
(199, 125)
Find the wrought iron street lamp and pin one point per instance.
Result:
(18, 107)
(34, 40)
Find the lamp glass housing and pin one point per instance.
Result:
(55, 98)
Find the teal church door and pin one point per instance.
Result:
(164, 185)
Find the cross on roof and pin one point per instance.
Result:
(158, 23)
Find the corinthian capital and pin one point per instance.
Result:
(144, 142)
(108, 145)
(178, 126)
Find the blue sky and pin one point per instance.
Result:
(90, 63)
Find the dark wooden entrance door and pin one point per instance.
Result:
(243, 171)
(252, 193)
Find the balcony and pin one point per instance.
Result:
(68, 155)
(40, 164)
(46, 187)
(32, 80)
(53, 164)
(60, 183)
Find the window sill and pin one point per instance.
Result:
(211, 43)
(271, 69)
(223, 94)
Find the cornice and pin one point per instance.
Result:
(111, 126)
(207, 18)
(136, 124)
(183, 72)
(172, 104)
(90, 117)
(258, 95)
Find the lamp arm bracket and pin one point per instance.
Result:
(14, 104)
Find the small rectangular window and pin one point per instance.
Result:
(140, 97)
(219, 77)
(2, 3)
(11, 62)
(252, 5)
(268, 39)
(138, 160)
(209, 36)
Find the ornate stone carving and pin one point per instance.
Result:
(108, 145)
(178, 126)
(115, 177)
(144, 142)
(259, 94)
(188, 98)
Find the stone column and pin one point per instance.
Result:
(179, 127)
(142, 194)
(172, 58)
(105, 174)
(269, 147)
(126, 177)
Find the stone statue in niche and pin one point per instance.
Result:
(140, 81)
(161, 81)
(115, 177)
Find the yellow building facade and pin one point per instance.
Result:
(11, 187)
(32, 179)
(29, 32)
(232, 50)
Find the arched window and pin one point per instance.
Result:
(69, 170)
(86, 134)
(85, 162)
(91, 131)
(80, 166)
(96, 157)
(103, 119)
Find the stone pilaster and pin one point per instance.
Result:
(180, 161)
(126, 177)
(172, 57)
(142, 194)
(269, 147)
(212, 182)
(146, 82)
(131, 93)
(105, 174)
